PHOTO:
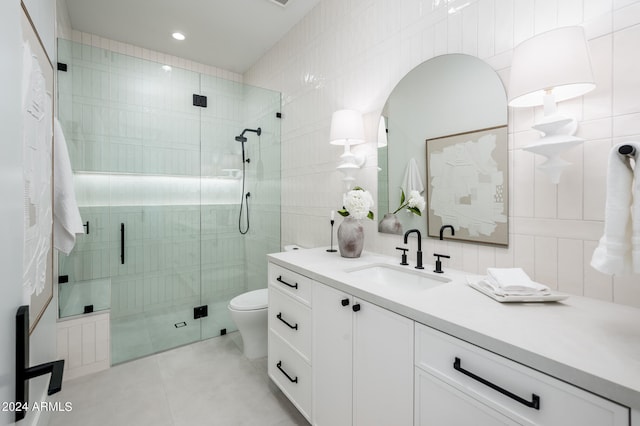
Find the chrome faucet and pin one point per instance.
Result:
(442, 228)
(419, 254)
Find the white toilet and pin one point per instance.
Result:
(249, 312)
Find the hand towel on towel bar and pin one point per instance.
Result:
(618, 251)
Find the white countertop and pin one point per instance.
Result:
(591, 344)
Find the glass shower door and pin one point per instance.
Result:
(233, 263)
(155, 209)
(83, 92)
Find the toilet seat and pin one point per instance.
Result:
(250, 301)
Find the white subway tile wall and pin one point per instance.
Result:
(350, 54)
(141, 53)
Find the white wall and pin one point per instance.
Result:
(351, 54)
(42, 340)
(43, 14)
(11, 194)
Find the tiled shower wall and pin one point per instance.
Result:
(141, 53)
(350, 54)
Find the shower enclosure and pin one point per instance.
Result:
(158, 178)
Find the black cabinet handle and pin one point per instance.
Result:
(345, 302)
(279, 365)
(535, 399)
(86, 226)
(122, 243)
(356, 307)
(279, 279)
(279, 316)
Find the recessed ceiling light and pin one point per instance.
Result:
(166, 68)
(178, 36)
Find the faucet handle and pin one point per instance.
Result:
(404, 255)
(438, 269)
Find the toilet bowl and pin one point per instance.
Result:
(249, 313)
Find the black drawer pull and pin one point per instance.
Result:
(535, 399)
(279, 365)
(356, 307)
(279, 279)
(345, 302)
(279, 316)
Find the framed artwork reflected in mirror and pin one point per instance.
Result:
(467, 177)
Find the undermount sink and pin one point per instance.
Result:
(403, 278)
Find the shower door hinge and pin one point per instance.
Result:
(200, 311)
(62, 66)
(63, 279)
(199, 101)
(278, 115)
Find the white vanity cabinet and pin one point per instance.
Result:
(362, 362)
(459, 384)
(289, 324)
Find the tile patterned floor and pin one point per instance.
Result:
(206, 383)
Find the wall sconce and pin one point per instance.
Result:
(347, 129)
(551, 67)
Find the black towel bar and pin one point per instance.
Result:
(627, 150)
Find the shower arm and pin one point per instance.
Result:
(242, 139)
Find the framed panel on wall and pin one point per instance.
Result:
(37, 140)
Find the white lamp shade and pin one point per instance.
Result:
(347, 128)
(558, 60)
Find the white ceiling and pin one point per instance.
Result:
(229, 34)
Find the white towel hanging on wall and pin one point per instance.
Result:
(66, 215)
(412, 180)
(618, 252)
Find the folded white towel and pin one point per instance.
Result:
(513, 281)
(66, 215)
(618, 251)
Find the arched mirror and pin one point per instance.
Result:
(443, 133)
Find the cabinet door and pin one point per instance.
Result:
(383, 367)
(438, 403)
(332, 357)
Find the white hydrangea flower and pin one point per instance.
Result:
(416, 200)
(358, 203)
(414, 204)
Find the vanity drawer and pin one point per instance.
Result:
(291, 282)
(519, 392)
(291, 373)
(291, 320)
